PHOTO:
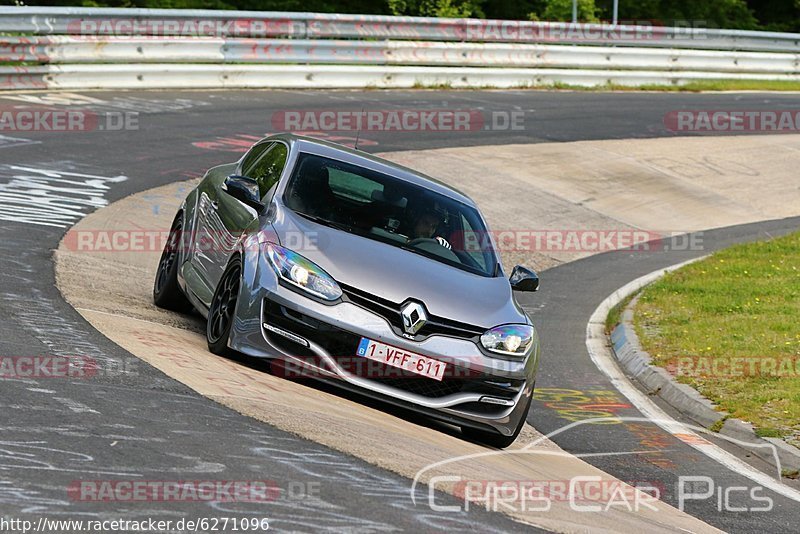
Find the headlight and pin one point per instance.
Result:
(512, 339)
(298, 271)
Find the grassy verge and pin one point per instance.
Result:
(730, 327)
(614, 316)
(695, 87)
(730, 85)
(692, 87)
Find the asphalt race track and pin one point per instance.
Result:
(144, 424)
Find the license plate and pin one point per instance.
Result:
(402, 359)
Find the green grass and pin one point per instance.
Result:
(614, 316)
(729, 85)
(21, 63)
(443, 86)
(738, 310)
(692, 87)
(790, 473)
(717, 426)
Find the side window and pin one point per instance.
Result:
(252, 156)
(267, 170)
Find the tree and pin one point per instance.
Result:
(437, 8)
(777, 15)
(773, 15)
(561, 10)
(511, 9)
(734, 14)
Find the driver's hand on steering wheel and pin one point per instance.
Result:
(442, 241)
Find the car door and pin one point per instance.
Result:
(224, 218)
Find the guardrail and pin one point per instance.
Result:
(62, 49)
(265, 24)
(182, 76)
(225, 48)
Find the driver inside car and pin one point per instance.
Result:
(425, 224)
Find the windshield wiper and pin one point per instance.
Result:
(326, 222)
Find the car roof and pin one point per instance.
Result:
(362, 159)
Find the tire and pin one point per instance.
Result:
(167, 293)
(495, 439)
(222, 312)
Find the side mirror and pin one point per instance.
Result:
(523, 279)
(245, 190)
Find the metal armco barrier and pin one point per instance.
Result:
(239, 49)
(62, 49)
(93, 76)
(265, 24)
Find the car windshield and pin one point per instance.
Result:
(384, 208)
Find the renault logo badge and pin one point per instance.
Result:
(414, 317)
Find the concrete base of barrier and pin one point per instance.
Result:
(164, 76)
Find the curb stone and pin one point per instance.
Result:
(656, 381)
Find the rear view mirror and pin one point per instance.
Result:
(523, 279)
(398, 201)
(245, 190)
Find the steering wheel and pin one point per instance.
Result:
(438, 240)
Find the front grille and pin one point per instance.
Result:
(456, 380)
(391, 312)
(423, 386)
(342, 346)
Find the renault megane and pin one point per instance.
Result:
(359, 272)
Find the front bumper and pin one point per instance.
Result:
(479, 391)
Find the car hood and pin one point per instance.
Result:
(397, 275)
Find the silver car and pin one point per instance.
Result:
(347, 268)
